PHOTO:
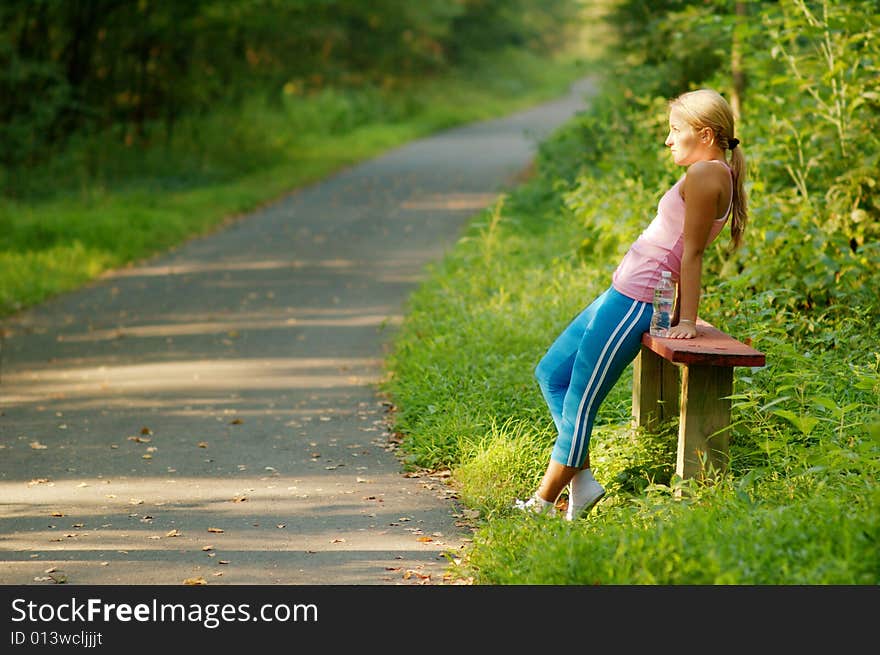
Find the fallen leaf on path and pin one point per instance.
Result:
(217, 530)
(36, 445)
(137, 439)
(207, 548)
(146, 430)
(223, 561)
(173, 533)
(147, 456)
(38, 481)
(281, 526)
(56, 514)
(195, 581)
(236, 421)
(424, 539)
(202, 444)
(337, 541)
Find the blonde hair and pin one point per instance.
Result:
(707, 108)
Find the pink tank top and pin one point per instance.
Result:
(660, 247)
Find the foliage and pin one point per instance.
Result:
(822, 101)
(138, 67)
(671, 42)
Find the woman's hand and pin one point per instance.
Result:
(683, 330)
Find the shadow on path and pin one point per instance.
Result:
(212, 413)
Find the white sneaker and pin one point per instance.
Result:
(535, 506)
(595, 495)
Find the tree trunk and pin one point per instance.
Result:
(736, 68)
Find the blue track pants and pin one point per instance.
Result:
(584, 363)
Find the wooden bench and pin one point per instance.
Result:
(691, 378)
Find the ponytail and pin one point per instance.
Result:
(740, 204)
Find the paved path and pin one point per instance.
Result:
(212, 413)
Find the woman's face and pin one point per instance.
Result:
(683, 140)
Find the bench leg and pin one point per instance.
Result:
(655, 389)
(705, 416)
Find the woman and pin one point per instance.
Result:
(587, 359)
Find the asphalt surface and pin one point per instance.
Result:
(211, 416)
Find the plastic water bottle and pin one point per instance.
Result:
(664, 298)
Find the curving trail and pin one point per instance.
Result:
(211, 414)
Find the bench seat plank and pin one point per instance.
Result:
(711, 347)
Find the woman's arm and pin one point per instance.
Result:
(702, 187)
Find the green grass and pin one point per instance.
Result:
(801, 501)
(100, 204)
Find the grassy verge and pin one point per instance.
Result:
(102, 204)
(801, 502)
